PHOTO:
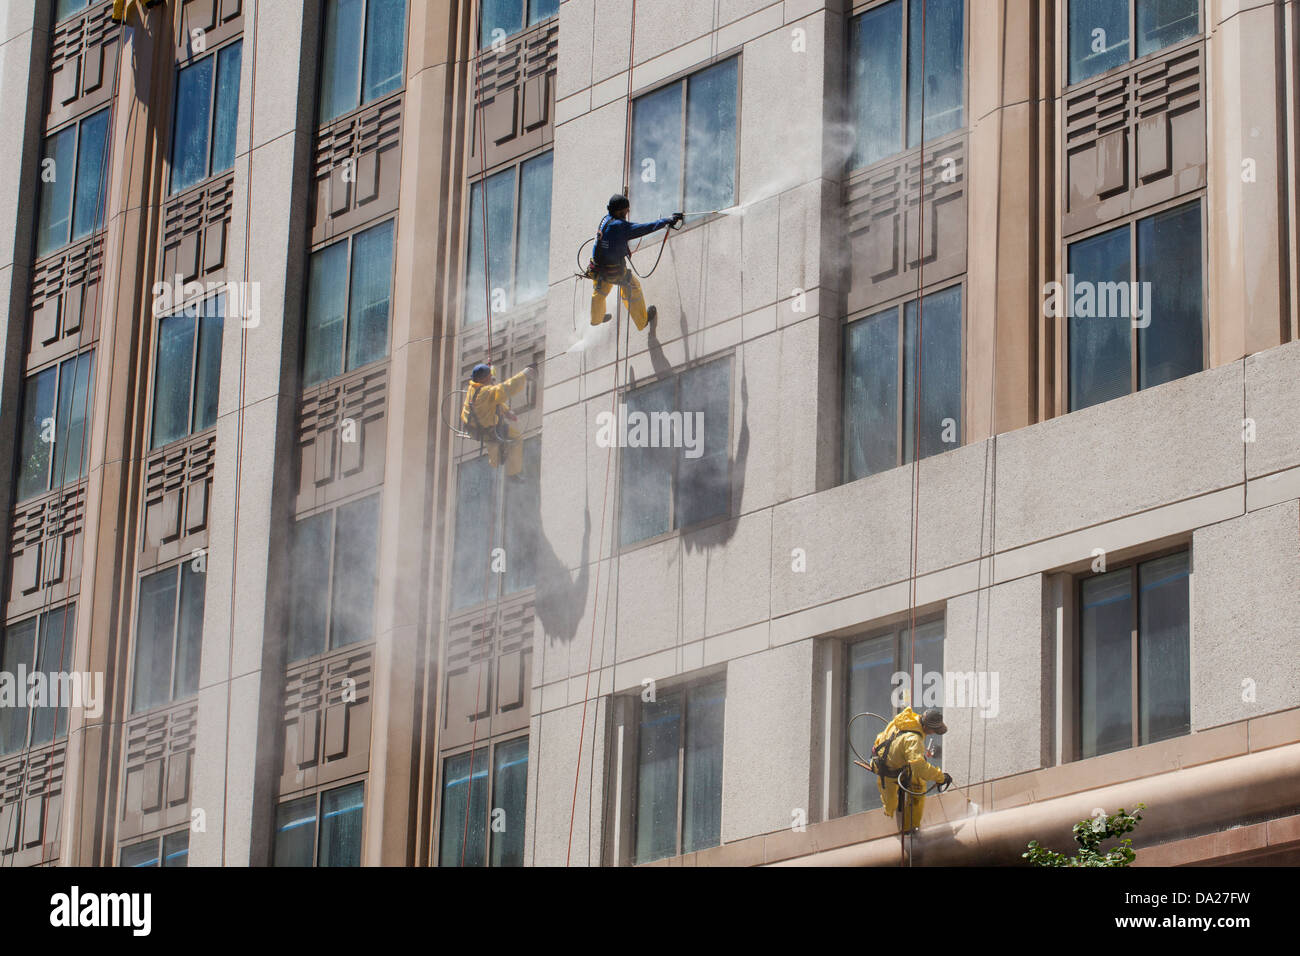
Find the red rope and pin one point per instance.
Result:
(582, 729)
(487, 305)
(916, 429)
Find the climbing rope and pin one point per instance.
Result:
(586, 693)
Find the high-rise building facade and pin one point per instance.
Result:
(973, 383)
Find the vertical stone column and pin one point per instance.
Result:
(1004, 235)
(417, 443)
(116, 409)
(1248, 244)
(245, 615)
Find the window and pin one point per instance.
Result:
(1146, 275)
(172, 849)
(1134, 659)
(73, 187)
(505, 18)
(880, 413)
(519, 259)
(187, 371)
(63, 8)
(42, 643)
(203, 123)
(168, 637)
(323, 829)
(1100, 31)
(676, 452)
(362, 53)
(334, 558)
(52, 445)
(508, 785)
(473, 578)
(348, 293)
(885, 75)
(678, 803)
(872, 686)
(686, 166)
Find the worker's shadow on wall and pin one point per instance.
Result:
(733, 483)
(561, 599)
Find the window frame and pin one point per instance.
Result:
(159, 840)
(67, 653)
(859, 9)
(900, 303)
(177, 569)
(101, 211)
(319, 797)
(210, 174)
(1132, 566)
(322, 123)
(200, 306)
(1064, 63)
(491, 746)
(632, 763)
(327, 597)
(72, 359)
(480, 179)
(1130, 222)
(839, 750)
(350, 239)
(500, 495)
(683, 78)
(527, 5)
(623, 547)
(54, 12)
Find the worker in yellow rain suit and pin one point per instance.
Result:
(120, 8)
(899, 757)
(608, 266)
(486, 415)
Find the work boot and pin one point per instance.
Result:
(606, 318)
(651, 314)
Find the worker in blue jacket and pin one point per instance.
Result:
(608, 266)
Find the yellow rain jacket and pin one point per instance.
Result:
(120, 8)
(482, 413)
(484, 403)
(906, 751)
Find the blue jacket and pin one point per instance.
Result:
(612, 237)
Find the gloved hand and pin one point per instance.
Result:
(678, 218)
(947, 780)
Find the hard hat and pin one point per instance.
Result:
(480, 369)
(932, 721)
(616, 201)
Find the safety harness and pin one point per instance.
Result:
(880, 757)
(611, 273)
(476, 430)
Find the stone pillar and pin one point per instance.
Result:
(245, 614)
(1248, 245)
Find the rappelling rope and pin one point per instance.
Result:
(919, 398)
(586, 694)
(494, 603)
